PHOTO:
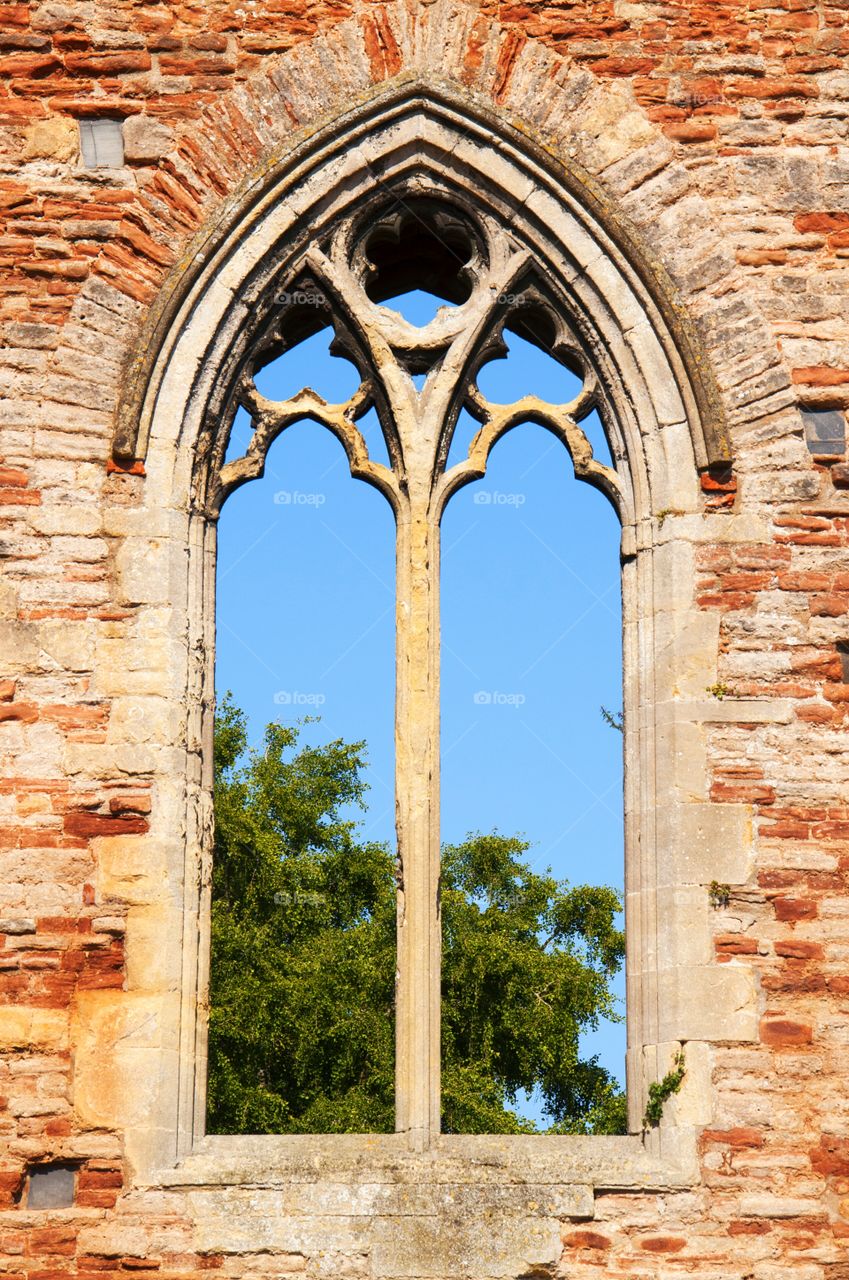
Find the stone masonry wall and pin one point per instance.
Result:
(721, 131)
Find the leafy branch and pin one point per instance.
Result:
(614, 720)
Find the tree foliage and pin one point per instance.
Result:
(301, 1036)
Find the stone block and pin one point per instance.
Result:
(767, 1205)
(144, 719)
(152, 964)
(448, 1238)
(142, 567)
(728, 710)
(684, 938)
(686, 651)
(129, 1238)
(16, 925)
(692, 1105)
(454, 1244)
(712, 1002)
(108, 762)
(146, 138)
(699, 843)
(70, 518)
(23, 1027)
(118, 1037)
(131, 870)
(70, 645)
(680, 745)
(56, 138)
(19, 646)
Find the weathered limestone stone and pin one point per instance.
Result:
(700, 843)
(36, 1029)
(116, 1037)
(12, 926)
(692, 1105)
(709, 1003)
(767, 1206)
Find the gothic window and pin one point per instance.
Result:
(414, 191)
(418, 379)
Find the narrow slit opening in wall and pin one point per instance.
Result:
(303, 914)
(825, 431)
(531, 628)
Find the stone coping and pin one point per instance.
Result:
(483, 1160)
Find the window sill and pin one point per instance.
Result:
(469, 1206)
(578, 1163)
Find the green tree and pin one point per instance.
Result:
(301, 1036)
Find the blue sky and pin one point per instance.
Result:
(531, 621)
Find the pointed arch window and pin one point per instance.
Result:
(411, 192)
(418, 379)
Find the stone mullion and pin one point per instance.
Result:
(418, 1011)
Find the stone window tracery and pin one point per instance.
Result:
(418, 379)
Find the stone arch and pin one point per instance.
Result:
(592, 125)
(407, 127)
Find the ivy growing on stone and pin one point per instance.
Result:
(660, 1090)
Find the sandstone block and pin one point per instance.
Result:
(56, 138)
(773, 1206)
(709, 1003)
(32, 1028)
(146, 138)
(117, 1037)
(700, 843)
